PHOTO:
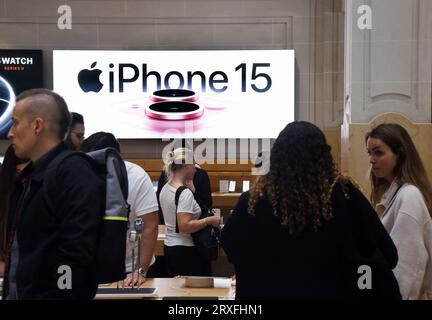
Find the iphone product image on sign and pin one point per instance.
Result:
(174, 110)
(174, 95)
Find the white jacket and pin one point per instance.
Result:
(405, 216)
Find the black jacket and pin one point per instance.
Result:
(272, 264)
(68, 236)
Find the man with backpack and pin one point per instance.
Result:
(143, 209)
(52, 242)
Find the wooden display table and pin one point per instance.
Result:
(175, 288)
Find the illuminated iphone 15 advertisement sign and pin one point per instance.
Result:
(179, 94)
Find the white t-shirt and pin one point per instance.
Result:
(187, 204)
(406, 218)
(142, 199)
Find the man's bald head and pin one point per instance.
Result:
(48, 105)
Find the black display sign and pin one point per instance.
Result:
(19, 70)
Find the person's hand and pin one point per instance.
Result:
(213, 221)
(190, 185)
(134, 278)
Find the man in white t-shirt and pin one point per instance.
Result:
(144, 206)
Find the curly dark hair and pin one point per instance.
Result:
(300, 180)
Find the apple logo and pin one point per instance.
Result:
(89, 79)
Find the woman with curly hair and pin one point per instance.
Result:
(303, 231)
(402, 194)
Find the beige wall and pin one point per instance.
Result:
(388, 69)
(314, 28)
(391, 64)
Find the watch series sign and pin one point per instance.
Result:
(137, 93)
(19, 70)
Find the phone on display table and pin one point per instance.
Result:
(232, 186)
(246, 185)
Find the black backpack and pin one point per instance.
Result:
(110, 168)
(205, 240)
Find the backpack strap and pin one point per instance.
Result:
(111, 160)
(50, 190)
(176, 200)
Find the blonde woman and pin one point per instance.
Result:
(402, 195)
(181, 255)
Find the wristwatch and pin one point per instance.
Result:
(142, 272)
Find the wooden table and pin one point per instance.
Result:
(175, 288)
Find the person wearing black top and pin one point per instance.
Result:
(303, 231)
(45, 241)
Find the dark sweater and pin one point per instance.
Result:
(272, 264)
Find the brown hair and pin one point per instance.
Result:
(409, 168)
